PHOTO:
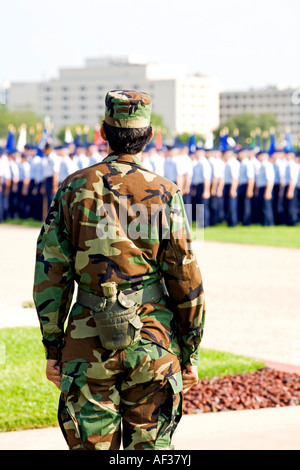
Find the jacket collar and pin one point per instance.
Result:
(122, 157)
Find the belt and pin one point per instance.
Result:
(150, 293)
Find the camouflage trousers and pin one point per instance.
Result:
(132, 395)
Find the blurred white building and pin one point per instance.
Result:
(282, 101)
(186, 103)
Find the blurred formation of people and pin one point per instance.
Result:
(239, 185)
(29, 179)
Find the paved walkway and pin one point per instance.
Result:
(253, 309)
(265, 429)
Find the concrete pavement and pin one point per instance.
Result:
(264, 429)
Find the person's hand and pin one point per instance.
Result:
(53, 372)
(290, 194)
(233, 193)
(267, 195)
(189, 377)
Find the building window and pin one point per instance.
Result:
(82, 98)
(64, 88)
(82, 88)
(65, 98)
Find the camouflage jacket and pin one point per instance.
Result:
(116, 221)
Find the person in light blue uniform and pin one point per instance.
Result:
(255, 208)
(213, 156)
(93, 154)
(23, 186)
(13, 159)
(36, 182)
(1, 184)
(170, 167)
(279, 163)
(289, 199)
(50, 172)
(298, 188)
(83, 161)
(184, 166)
(246, 186)
(6, 184)
(231, 179)
(201, 182)
(68, 165)
(265, 183)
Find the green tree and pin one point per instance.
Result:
(157, 122)
(16, 118)
(247, 124)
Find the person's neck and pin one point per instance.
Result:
(138, 155)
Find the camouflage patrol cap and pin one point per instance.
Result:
(128, 109)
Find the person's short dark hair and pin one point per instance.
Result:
(127, 140)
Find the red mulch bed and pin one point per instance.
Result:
(263, 388)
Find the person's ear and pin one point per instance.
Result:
(102, 133)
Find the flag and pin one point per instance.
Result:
(38, 133)
(31, 135)
(257, 138)
(158, 139)
(97, 136)
(22, 138)
(265, 138)
(10, 142)
(272, 147)
(236, 134)
(252, 140)
(68, 136)
(192, 144)
(288, 147)
(78, 135)
(209, 141)
(86, 134)
(224, 138)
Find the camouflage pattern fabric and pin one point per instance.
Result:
(140, 385)
(128, 109)
(117, 222)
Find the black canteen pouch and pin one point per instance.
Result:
(117, 322)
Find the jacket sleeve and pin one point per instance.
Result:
(54, 278)
(183, 280)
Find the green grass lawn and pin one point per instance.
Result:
(29, 400)
(280, 236)
(24, 222)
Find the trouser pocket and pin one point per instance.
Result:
(170, 413)
(66, 413)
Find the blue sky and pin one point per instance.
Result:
(244, 43)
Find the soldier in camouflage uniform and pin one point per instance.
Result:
(131, 344)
